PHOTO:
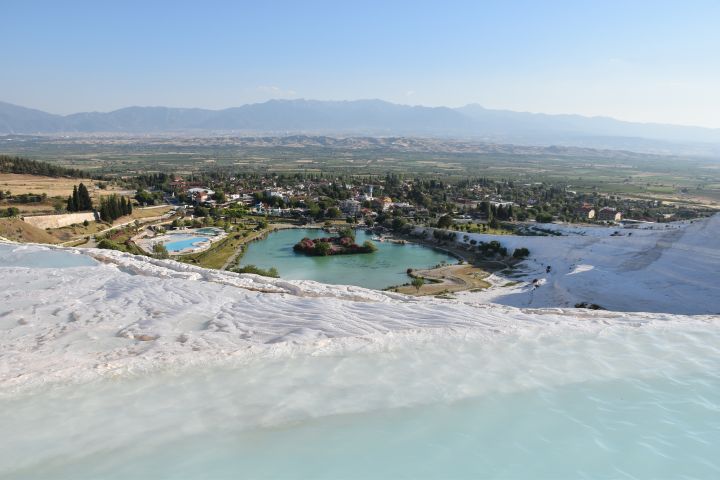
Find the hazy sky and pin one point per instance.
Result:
(635, 60)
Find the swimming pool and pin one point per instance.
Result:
(185, 241)
(209, 231)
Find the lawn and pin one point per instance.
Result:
(216, 256)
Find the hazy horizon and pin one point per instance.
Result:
(407, 104)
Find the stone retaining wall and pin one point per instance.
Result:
(57, 221)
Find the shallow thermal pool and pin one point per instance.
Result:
(13, 255)
(617, 403)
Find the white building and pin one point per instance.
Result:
(350, 207)
(200, 194)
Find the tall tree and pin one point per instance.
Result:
(75, 199)
(84, 201)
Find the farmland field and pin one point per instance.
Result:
(53, 187)
(674, 178)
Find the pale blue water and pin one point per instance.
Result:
(606, 400)
(384, 268)
(626, 404)
(621, 429)
(184, 242)
(209, 231)
(19, 256)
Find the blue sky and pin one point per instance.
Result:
(634, 60)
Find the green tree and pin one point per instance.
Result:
(445, 221)
(220, 197)
(347, 232)
(11, 212)
(543, 217)
(418, 282)
(271, 272)
(110, 245)
(322, 248)
(160, 251)
(75, 199)
(111, 207)
(84, 201)
(144, 197)
(369, 246)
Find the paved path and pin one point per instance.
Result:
(92, 242)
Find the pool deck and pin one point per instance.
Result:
(147, 243)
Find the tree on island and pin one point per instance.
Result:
(343, 245)
(347, 233)
(322, 248)
(369, 246)
(418, 282)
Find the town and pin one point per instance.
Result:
(392, 201)
(216, 214)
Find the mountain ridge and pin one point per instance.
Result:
(369, 116)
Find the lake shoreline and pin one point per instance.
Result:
(468, 275)
(380, 270)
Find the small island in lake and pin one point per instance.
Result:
(340, 245)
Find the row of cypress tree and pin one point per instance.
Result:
(80, 200)
(114, 206)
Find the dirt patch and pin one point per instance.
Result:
(448, 278)
(18, 231)
(53, 187)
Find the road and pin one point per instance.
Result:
(92, 242)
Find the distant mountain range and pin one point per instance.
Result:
(374, 118)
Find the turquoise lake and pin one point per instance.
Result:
(384, 268)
